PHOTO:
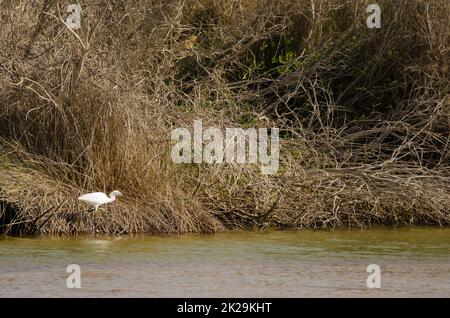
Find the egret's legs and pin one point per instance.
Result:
(93, 222)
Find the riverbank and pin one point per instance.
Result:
(314, 199)
(364, 115)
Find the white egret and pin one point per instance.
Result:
(97, 199)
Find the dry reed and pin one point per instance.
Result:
(364, 114)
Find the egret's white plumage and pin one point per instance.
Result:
(97, 199)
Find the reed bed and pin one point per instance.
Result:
(364, 115)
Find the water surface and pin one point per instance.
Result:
(414, 262)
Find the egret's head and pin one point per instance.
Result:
(115, 193)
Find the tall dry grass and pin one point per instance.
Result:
(364, 114)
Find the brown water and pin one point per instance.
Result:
(415, 262)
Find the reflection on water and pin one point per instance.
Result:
(414, 262)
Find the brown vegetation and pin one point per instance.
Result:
(364, 114)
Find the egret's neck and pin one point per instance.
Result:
(112, 197)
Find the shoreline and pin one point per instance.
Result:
(227, 232)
